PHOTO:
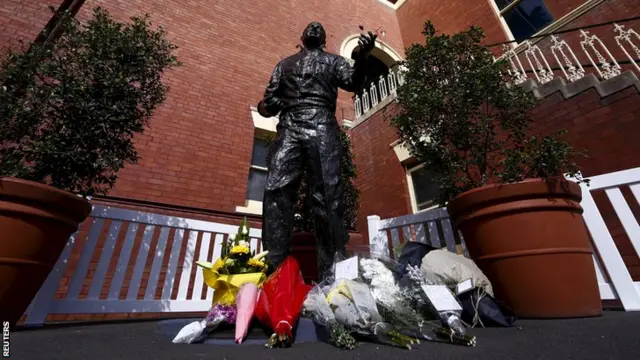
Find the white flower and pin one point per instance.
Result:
(243, 243)
(232, 237)
(383, 284)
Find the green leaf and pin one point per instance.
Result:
(460, 116)
(72, 108)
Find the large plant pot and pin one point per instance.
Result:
(36, 221)
(303, 248)
(530, 240)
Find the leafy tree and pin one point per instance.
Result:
(69, 109)
(461, 117)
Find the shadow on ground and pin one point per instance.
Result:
(612, 336)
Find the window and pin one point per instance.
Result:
(422, 189)
(524, 17)
(258, 170)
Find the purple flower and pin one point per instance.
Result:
(219, 313)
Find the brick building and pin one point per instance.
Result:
(203, 156)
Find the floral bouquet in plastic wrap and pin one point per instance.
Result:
(235, 278)
(280, 302)
(346, 309)
(404, 304)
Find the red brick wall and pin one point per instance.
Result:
(22, 20)
(607, 128)
(381, 177)
(449, 17)
(198, 149)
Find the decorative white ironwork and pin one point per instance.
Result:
(534, 57)
(365, 101)
(516, 71)
(628, 35)
(383, 87)
(572, 70)
(374, 94)
(393, 84)
(358, 107)
(607, 69)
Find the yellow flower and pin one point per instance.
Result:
(239, 249)
(255, 263)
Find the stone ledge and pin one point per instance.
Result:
(569, 90)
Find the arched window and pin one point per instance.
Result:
(375, 69)
(383, 60)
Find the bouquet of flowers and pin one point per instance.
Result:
(280, 302)
(355, 308)
(318, 309)
(404, 305)
(237, 266)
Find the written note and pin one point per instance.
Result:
(465, 286)
(441, 298)
(347, 269)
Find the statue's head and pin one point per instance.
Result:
(314, 36)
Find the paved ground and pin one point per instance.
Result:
(612, 336)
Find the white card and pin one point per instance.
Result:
(465, 286)
(347, 269)
(441, 298)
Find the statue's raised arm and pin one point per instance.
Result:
(350, 78)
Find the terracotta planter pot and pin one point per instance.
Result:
(530, 240)
(36, 221)
(303, 248)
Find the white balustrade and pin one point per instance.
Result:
(627, 36)
(377, 92)
(516, 70)
(374, 94)
(607, 69)
(383, 87)
(365, 101)
(572, 70)
(536, 58)
(594, 48)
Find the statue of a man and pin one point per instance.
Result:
(303, 89)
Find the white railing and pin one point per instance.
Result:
(432, 227)
(126, 228)
(596, 51)
(568, 66)
(615, 282)
(378, 91)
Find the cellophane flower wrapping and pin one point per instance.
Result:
(355, 308)
(318, 309)
(197, 331)
(402, 302)
(245, 304)
(280, 302)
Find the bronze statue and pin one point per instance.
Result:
(303, 90)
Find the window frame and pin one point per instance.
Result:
(412, 194)
(505, 27)
(263, 129)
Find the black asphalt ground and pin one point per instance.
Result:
(615, 335)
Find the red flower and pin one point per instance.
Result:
(280, 301)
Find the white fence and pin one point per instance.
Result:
(434, 227)
(126, 228)
(538, 64)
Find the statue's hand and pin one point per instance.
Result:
(367, 43)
